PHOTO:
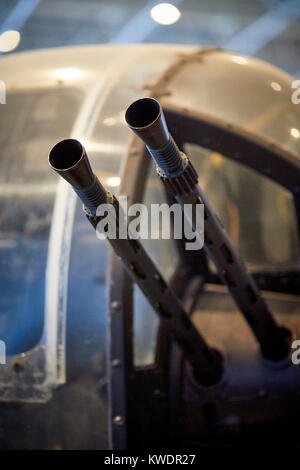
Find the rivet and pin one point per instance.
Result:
(118, 420)
(115, 304)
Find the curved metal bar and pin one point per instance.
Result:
(120, 347)
(240, 145)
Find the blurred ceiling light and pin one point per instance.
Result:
(114, 181)
(295, 133)
(109, 121)
(239, 59)
(165, 13)
(9, 40)
(69, 74)
(276, 86)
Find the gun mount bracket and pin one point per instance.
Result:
(182, 183)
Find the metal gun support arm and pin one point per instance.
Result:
(69, 160)
(145, 117)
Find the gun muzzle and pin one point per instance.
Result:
(146, 119)
(69, 159)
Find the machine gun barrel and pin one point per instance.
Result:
(146, 119)
(68, 158)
